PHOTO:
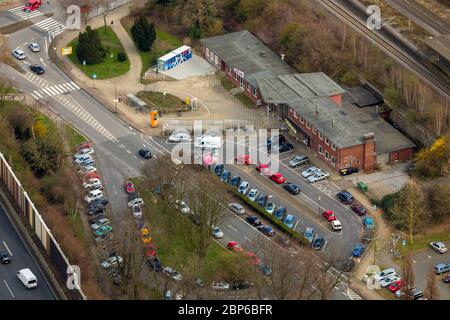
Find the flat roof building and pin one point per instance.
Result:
(441, 45)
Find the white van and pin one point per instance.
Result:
(208, 142)
(179, 137)
(28, 278)
(92, 195)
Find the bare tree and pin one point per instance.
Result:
(326, 277)
(6, 88)
(408, 277)
(431, 291)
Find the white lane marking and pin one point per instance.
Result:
(7, 248)
(75, 85)
(251, 241)
(9, 289)
(232, 228)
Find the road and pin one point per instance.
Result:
(116, 143)
(10, 286)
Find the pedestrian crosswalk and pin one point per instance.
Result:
(18, 11)
(55, 90)
(51, 26)
(353, 295)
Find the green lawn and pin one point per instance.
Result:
(245, 100)
(73, 137)
(421, 242)
(167, 103)
(109, 67)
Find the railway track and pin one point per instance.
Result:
(413, 63)
(414, 11)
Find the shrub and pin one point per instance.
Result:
(121, 57)
(143, 33)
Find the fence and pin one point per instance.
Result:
(37, 223)
(96, 11)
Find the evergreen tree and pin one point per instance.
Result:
(89, 47)
(143, 33)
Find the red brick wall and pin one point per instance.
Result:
(351, 157)
(369, 155)
(401, 155)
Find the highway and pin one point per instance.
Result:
(11, 288)
(116, 144)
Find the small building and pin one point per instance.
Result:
(174, 58)
(441, 45)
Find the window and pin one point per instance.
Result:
(320, 135)
(314, 130)
(295, 115)
(320, 149)
(207, 53)
(235, 76)
(229, 70)
(248, 86)
(327, 141)
(327, 155)
(333, 160)
(308, 125)
(254, 91)
(301, 119)
(333, 146)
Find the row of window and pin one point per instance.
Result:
(327, 155)
(235, 76)
(314, 130)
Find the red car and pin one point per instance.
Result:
(255, 260)
(150, 250)
(358, 209)
(83, 145)
(233, 245)
(129, 187)
(91, 175)
(395, 286)
(263, 169)
(278, 178)
(243, 159)
(329, 215)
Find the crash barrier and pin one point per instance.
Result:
(38, 225)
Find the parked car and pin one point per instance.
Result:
(244, 187)
(309, 234)
(309, 172)
(4, 258)
(438, 246)
(358, 250)
(19, 54)
(265, 269)
(80, 159)
(145, 153)
(292, 188)
(389, 280)
(37, 68)
(101, 200)
(172, 273)
(220, 286)
(91, 183)
(241, 284)
(83, 152)
(135, 202)
(129, 187)
(385, 273)
(278, 178)
(336, 225)
(329, 215)
(368, 236)
(416, 293)
(243, 159)
(446, 279)
(368, 223)
(318, 243)
(270, 207)
(395, 286)
(89, 169)
(285, 147)
(137, 211)
(281, 211)
(234, 246)
(103, 231)
(182, 206)
(155, 264)
(298, 161)
(348, 171)
(34, 46)
(217, 233)
(358, 209)
(264, 169)
(100, 223)
(235, 181)
(236, 208)
(179, 137)
(348, 265)
(226, 174)
(253, 220)
(218, 169)
(442, 268)
(92, 195)
(275, 141)
(345, 197)
(95, 209)
(289, 221)
(262, 200)
(97, 218)
(266, 230)
(318, 176)
(252, 194)
(113, 261)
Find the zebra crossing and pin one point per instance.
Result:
(47, 89)
(18, 11)
(353, 295)
(51, 26)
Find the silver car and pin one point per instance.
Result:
(19, 54)
(33, 46)
(309, 172)
(236, 208)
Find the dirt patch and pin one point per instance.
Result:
(16, 26)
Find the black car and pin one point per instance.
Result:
(348, 171)
(97, 218)
(101, 200)
(96, 209)
(285, 147)
(132, 196)
(218, 169)
(253, 220)
(348, 265)
(235, 181)
(292, 188)
(155, 264)
(345, 197)
(266, 230)
(4, 258)
(318, 243)
(241, 284)
(275, 140)
(145, 153)
(262, 200)
(36, 68)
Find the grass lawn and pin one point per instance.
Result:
(109, 67)
(167, 103)
(73, 137)
(225, 83)
(246, 100)
(421, 242)
(163, 44)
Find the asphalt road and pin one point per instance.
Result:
(11, 288)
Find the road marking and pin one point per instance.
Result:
(232, 228)
(251, 241)
(9, 251)
(6, 284)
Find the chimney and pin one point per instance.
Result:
(282, 56)
(332, 122)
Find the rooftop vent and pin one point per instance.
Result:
(262, 53)
(332, 122)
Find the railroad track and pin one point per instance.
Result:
(414, 11)
(415, 64)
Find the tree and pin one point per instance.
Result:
(143, 33)
(431, 291)
(437, 199)
(6, 88)
(410, 211)
(408, 277)
(90, 47)
(202, 17)
(434, 161)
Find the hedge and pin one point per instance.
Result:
(256, 207)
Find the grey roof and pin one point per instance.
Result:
(441, 44)
(293, 88)
(245, 52)
(331, 121)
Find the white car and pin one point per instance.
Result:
(90, 182)
(252, 194)
(220, 286)
(112, 261)
(19, 54)
(318, 176)
(137, 211)
(34, 46)
(81, 160)
(309, 172)
(183, 207)
(135, 202)
(99, 223)
(438, 246)
(179, 137)
(87, 169)
(385, 273)
(336, 225)
(172, 273)
(217, 233)
(84, 152)
(298, 161)
(388, 280)
(243, 188)
(95, 194)
(270, 207)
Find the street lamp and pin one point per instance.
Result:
(115, 95)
